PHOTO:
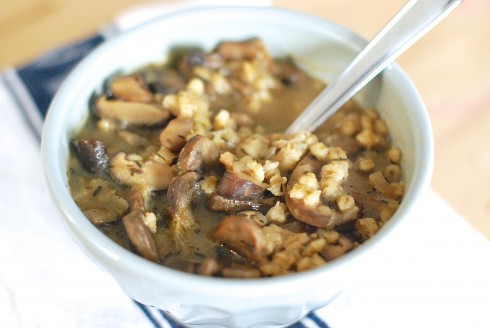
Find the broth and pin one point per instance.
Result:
(186, 164)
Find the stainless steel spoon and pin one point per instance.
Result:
(415, 19)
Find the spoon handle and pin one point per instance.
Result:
(415, 19)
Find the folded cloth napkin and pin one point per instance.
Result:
(438, 274)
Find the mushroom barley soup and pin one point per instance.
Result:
(186, 164)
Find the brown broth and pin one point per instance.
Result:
(287, 100)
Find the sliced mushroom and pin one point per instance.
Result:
(140, 236)
(132, 138)
(92, 154)
(181, 193)
(243, 236)
(219, 203)
(130, 112)
(131, 88)
(320, 215)
(197, 152)
(189, 61)
(98, 199)
(137, 199)
(248, 50)
(163, 80)
(173, 136)
(234, 187)
(150, 174)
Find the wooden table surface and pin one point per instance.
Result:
(450, 67)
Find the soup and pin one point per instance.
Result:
(185, 163)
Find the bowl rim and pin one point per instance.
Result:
(121, 258)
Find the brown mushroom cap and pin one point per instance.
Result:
(235, 187)
(140, 236)
(92, 154)
(320, 215)
(243, 235)
(197, 152)
(189, 61)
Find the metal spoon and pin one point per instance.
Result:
(415, 19)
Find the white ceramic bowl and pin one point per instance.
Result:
(321, 48)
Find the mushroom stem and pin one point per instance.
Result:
(180, 196)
